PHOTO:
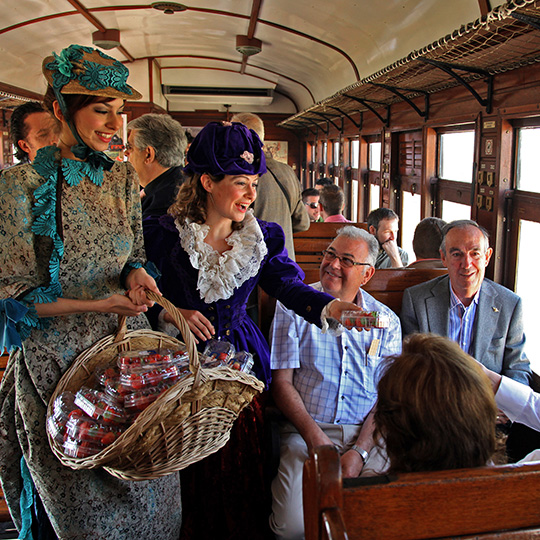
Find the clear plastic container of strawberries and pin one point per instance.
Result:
(87, 422)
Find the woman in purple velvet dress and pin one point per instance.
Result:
(212, 252)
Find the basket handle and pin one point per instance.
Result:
(179, 322)
(182, 325)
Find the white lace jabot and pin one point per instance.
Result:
(220, 275)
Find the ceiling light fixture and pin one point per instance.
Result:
(248, 46)
(169, 8)
(109, 39)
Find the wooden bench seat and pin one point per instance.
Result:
(483, 503)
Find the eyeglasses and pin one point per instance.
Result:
(346, 262)
(312, 205)
(128, 147)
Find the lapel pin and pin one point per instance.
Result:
(495, 309)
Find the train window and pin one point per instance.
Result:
(456, 156)
(411, 153)
(354, 200)
(374, 163)
(336, 160)
(374, 197)
(526, 286)
(410, 216)
(325, 153)
(355, 153)
(452, 211)
(528, 159)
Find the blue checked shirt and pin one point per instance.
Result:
(334, 376)
(461, 320)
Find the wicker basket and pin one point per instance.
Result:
(185, 424)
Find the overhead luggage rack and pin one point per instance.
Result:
(507, 38)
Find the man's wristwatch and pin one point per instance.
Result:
(363, 454)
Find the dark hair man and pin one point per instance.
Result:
(322, 182)
(310, 198)
(332, 202)
(427, 240)
(383, 223)
(31, 127)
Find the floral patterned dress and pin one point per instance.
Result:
(74, 231)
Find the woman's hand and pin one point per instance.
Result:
(137, 281)
(337, 307)
(122, 305)
(199, 325)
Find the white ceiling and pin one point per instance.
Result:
(311, 48)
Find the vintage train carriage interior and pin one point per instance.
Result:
(427, 107)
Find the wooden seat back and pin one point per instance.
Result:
(488, 502)
(387, 284)
(308, 245)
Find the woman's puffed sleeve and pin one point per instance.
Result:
(282, 278)
(23, 255)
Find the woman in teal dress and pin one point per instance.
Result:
(71, 244)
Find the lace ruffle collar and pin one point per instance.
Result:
(220, 275)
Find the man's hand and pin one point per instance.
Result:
(351, 464)
(317, 437)
(392, 250)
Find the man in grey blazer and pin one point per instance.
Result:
(484, 317)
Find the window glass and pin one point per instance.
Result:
(325, 152)
(528, 159)
(354, 201)
(374, 157)
(336, 153)
(452, 211)
(355, 153)
(527, 287)
(410, 217)
(374, 196)
(456, 156)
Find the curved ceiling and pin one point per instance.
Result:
(310, 48)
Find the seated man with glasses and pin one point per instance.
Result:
(325, 384)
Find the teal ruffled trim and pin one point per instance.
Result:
(150, 267)
(46, 165)
(26, 502)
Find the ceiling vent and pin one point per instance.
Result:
(248, 46)
(109, 39)
(218, 95)
(169, 8)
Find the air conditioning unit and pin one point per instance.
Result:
(219, 95)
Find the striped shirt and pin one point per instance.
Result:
(335, 376)
(461, 320)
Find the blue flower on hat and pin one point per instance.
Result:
(63, 63)
(62, 67)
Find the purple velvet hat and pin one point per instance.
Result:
(225, 148)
